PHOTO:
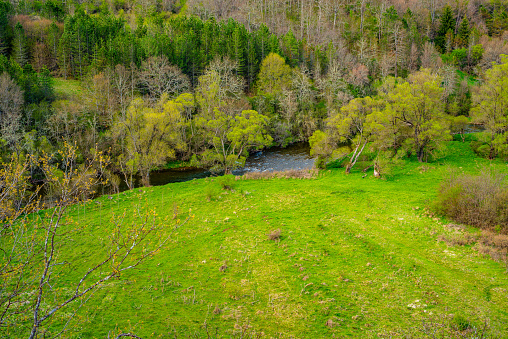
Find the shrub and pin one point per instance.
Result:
(227, 182)
(480, 201)
(274, 235)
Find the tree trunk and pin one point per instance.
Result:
(145, 178)
(348, 168)
(376, 171)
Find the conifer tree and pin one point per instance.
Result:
(5, 10)
(464, 32)
(237, 49)
(19, 46)
(446, 26)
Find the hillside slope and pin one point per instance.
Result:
(358, 257)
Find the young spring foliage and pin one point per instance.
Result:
(406, 118)
(491, 109)
(231, 138)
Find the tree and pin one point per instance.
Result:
(150, 134)
(157, 76)
(333, 88)
(19, 46)
(430, 57)
(232, 137)
(349, 127)
(6, 9)
(446, 26)
(219, 86)
(413, 119)
(39, 295)
(11, 104)
(463, 33)
(274, 75)
(491, 108)
(459, 125)
(122, 80)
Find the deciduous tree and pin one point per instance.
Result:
(274, 75)
(149, 134)
(232, 137)
(491, 108)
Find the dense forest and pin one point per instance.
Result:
(207, 82)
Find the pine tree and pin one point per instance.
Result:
(237, 49)
(19, 48)
(291, 48)
(274, 44)
(464, 32)
(252, 61)
(263, 37)
(5, 10)
(446, 26)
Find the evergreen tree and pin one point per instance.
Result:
(263, 38)
(274, 44)
(5, 10)
(252, 63)
(19, 46)
(446, 26)
(464, 32)
(291, 48)
(237, 50)
(499, 22)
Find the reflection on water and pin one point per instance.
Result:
(296, 156)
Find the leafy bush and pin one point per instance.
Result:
(480, 200)
(227, 182)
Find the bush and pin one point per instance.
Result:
(227, 182)
(274, 235)
(480, 201)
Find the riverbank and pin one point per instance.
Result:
(356, 257)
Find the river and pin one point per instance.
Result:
(296, 156)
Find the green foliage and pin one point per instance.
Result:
(6, 10)
(226, 182)
(459, 125)
(19, 46)
(413, 119)
(149, 135)
(274, 75)
(231, 138)
(491, 108)
(445, 30)
(463, 33)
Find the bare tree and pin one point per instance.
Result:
(430, 57)
(219, 85)
(34, 246)
(398, 42)
(11, 104)
(158, 76)
(386, 63)
(122, 80)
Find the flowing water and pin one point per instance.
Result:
(296, 156)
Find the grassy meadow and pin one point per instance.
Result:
(357, 257)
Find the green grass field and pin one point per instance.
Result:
(67, 88)
(358, 257)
